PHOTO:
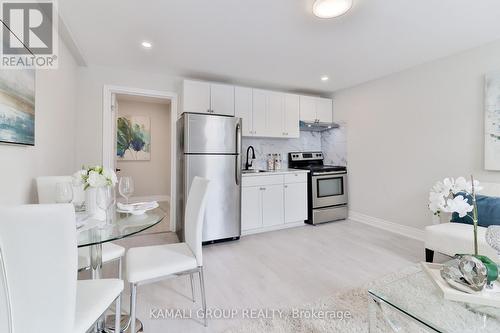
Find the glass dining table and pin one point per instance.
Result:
(94, 234)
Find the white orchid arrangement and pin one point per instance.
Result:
(448, 196)
(96, 176)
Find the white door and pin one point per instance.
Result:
(307, 109)
(196, 96)
(251, 208)
(259, 106)
(276, 105)
(291, 116)
(222, 99)
(272, 205)
(243, 109)
(324, 110)
(295, 202)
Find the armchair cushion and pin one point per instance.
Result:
(488, 211)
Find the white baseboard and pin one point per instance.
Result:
(273, 228)
(148, 198)
(404, 230)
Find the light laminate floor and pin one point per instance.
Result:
(280, 269)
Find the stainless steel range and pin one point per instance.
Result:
(326, 186)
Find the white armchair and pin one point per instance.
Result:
(452, 238)
(39, 291)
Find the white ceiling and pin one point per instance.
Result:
(277, 43)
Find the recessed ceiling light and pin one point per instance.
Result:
(146, 45)
(331, 8)
(325, 78)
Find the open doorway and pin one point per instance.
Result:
(139, 141)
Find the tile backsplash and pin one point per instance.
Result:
(332, 143)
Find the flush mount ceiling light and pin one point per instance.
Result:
(331, 8)
(146, 45)
(325, 78)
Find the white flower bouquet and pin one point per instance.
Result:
(96, 176)
(450, 196)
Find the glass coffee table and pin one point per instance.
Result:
(414, 304)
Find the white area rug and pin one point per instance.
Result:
(356, 302)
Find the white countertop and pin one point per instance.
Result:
(277, 172)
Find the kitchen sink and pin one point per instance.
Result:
(252, 171)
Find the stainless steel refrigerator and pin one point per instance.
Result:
(209, 146)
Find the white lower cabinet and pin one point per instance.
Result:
(272, 205)
(295, 202)
(273, 202)
(251, 208)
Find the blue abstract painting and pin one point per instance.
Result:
(133, 138)
(17, 106)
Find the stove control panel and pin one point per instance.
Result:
(306, 156)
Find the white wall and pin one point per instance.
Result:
(55, 120)
(410, 129)
(150, 177)
(91, 81)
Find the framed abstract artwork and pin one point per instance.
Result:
(17, 106)
(492, 122)
(133, 138)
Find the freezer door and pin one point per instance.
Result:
(222, 215)
(210, 134)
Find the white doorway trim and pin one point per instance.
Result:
(108, 131)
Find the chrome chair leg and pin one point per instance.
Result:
(203, 296)
(119, 301)
(118, 312)
(192, 286)
(133, 297)
(120, 268)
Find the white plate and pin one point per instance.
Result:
(133, 212)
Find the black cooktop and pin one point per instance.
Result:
(322, 168)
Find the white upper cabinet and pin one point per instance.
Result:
(265, 113)
(196, 96)
(274, 114)
(222, 99)
(316, 109)
(259, 109)
(243, 101)
(206, 97)
(307, 109)
(275, 109)
(324, 110)
(291, 116)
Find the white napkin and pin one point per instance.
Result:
(137, 206)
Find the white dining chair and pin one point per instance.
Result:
(152, 263)
(38, 273)
(46, 188)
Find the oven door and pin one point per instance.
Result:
(329, 189)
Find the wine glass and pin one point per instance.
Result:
(126, 187)
(64, 192)
(493, 237)
(106, 198)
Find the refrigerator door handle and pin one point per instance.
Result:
(238, 154)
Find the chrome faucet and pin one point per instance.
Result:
(247, 164)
